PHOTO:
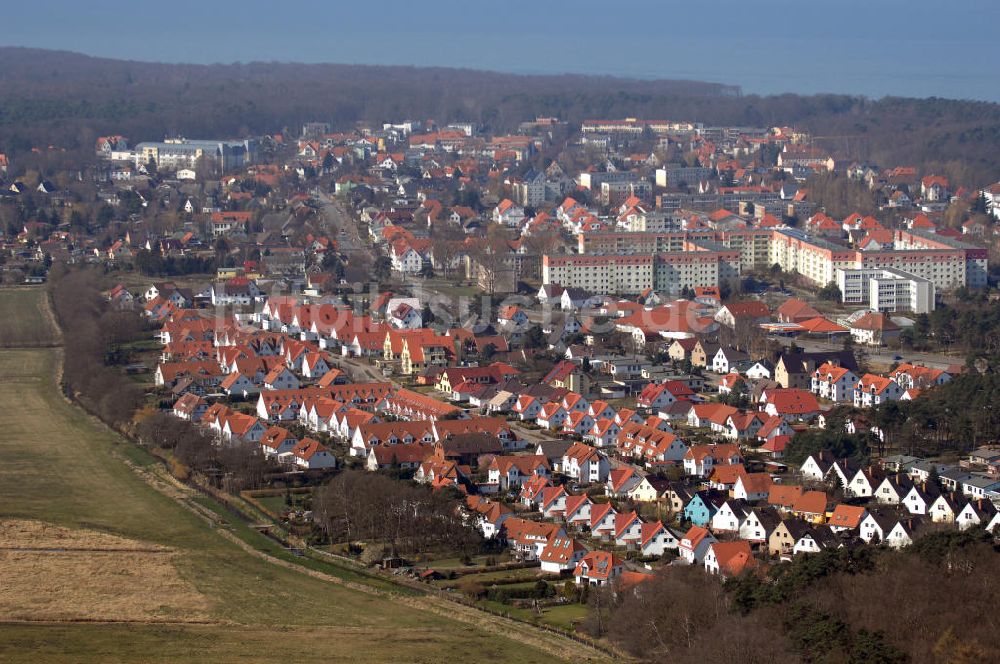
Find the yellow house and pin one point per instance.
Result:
(811, 506)
(387, 353)
(444, 384)
(643, 492)
(703, 353)
(406, 360)
(418, 355)
(681, 349)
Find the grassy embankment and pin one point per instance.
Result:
(60, 467)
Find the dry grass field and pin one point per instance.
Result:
(54, 573)
(24, 321)
(151, 567)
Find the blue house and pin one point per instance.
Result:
(703, 506)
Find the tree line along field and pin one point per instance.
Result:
(67, 476)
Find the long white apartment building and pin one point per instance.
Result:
(939, 248)
(635, 127)
(945, 263)
(667, 272)
(178, 153)
(886, 289)
(600, 274)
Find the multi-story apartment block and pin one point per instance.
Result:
(691, 265)
(530, 191)
(678, 175)
(886, 289)
(942, 262)
(635, 127)
(177, 153)
(614, 193)
(940, 249)
(600, 273)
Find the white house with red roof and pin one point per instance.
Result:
(599, 409)
(729, 382)
(790, 403)
(744, 425)
(561, 554)
(527, 407)
(408, 255)
(729, 558)
(314, 366)
(915, 376)
(508, 213)
(598, 568)
(699, 460)
(775, 446)
(276, 441)
(238, 426)
(874, 328)
(404, 315)
(531, 489)
(552, 502)
(528, 539)
(872, 390)
(694, 544)
(579, 423)
(833, 382)
(190, 407)
(752, 487)
(621, 480)
(602, 519)
(512, 315)
(603, 433)
(488, 515)
(281, 378)
(749, 312)
(508, 472)
(628, 529)
(655, 539)
(574, 402)
(585, 464)
(655, 396)
(577, 512)
(774, 426)
(551, 416)
(934, 188)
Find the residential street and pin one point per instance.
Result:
(341, 225)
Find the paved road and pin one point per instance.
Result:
(878, 355)
(533, 436)
(361, 372)
(337, 218)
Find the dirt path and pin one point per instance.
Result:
(553, 644)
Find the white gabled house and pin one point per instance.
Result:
(655, 539)
(561, 554)
(694, 545)
(976, 513)
(577, 510)
(872, 390)
(585, 464)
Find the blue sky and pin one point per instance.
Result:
(874, 47)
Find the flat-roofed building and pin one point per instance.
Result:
(886, 289)
(181, 153)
